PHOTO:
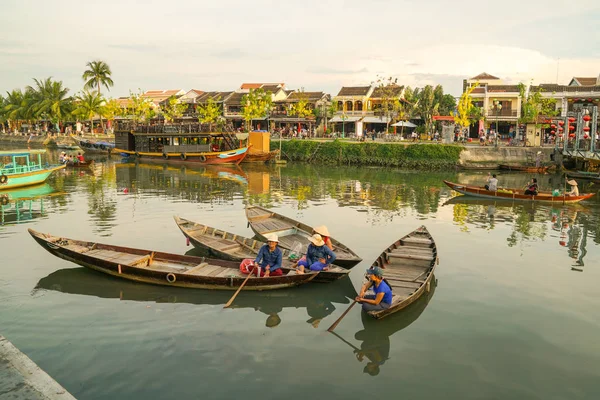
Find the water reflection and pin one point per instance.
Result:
(25, 204)
(318, 302)
(374, 348)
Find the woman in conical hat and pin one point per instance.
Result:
(324, 232)
(318, 255)
(574, 189)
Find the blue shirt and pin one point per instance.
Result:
(383, 288)
(313, 253)
(271, 258)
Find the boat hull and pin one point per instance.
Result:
(222, 157)
(260, 157)
(158, 277)
(521, 168)
(544, 197)
(28, 178)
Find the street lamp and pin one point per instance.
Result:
(498, 106)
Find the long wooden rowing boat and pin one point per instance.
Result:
(229, 246)
(515, 194)
(162, 268)
(293, 233)
(80, 165)
(524, 168)
(408, 266)
(588, 176)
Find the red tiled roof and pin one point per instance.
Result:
(396, 91)
(259, 85)
(484, 75)
(586, 81)
(160, 93)
(354, 91)
(503, 88)
(310, 96)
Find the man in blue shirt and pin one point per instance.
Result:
(382, 298)
(269, 258)
(318, 255)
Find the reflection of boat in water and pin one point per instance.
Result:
(501, 202)
(318, 303)
(24, 204)
(375, 335)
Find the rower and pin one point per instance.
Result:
(382, 299)
(574, 189)
(532, 187)
(492, 183)
(318, 256)
(269, 258)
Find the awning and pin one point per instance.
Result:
(376, 120)
(338, 118)
(406, 124)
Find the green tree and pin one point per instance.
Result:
(141, 108)
(209, 112)
(88, 105)
(113, 109)
(172, 109)
(49, 98)
(12, 108)
(389, 92)
(408, 106)
(256, 105)
(301, 108)
(427, 107)
(97, 74)
(464, 109)
(533, 105)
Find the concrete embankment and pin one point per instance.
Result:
(424, 156)
(21, 378)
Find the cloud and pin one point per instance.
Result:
(334, 71)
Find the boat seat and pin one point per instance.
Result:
(412, 256)
(226, 247)
(196, 268)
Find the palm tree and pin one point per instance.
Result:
(16, 107)
(49, 98)
(88, 105)
(98, 74)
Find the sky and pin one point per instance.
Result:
(318, 45)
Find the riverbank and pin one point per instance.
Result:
(44, 141)
(424, 156)
(21, 378)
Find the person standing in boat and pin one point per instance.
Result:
(80, 158)
(382, 299)
(492, 183)
(318, 256)
(324, 232)
(574, 189)
(269, 258)
(532, 187)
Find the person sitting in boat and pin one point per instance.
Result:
(61, 158)
(318, 256)
(532, 187)
(382, 299)
(324, 232)
(492, 183)
(80, 158)
(269, 258)
(574, 189)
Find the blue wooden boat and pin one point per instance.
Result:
(20, 168)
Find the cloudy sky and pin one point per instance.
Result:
(318, 45)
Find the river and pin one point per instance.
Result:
(513, 313)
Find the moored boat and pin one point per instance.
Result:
(230, 246)
(162, 268)
(525, 168)
(80, 165)
(590, 176)
(408, 266)
(293, 234)
(261, 157)
(515, 194)
(92, 146)
(23, 169)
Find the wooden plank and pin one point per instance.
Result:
(403, 283)
(415, 240)
(216, 271)
(197, 268)
(226, 272)
(209, 269)
(411, 256)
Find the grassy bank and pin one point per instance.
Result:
(418, 156)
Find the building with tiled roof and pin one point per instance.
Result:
(585, 81)
(282, 113)
(157, 96)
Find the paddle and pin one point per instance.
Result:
(237, 291)
(333, 326)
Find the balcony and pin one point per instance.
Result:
(502, 114)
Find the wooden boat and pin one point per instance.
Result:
(91, 146)
(260, 157)
(80, 165)
(524, 168)
(23, 169)
(408, 266)
(162, 268)
(589, 176)
(515, 194)
(229, 246)
(207, 158)
(293, 233)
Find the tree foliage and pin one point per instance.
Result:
(533, 105)
(113, 109)
(88, 105)
(256, 105)
(427, 107)
(389, 93)
(172, 109)
(209, 112)
(141, 108)
(48, 99)
(97, 74)
(466, 112)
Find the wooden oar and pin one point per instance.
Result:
(333, 326)
(238, 291)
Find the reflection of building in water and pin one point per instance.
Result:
(375, 335)
(259, 182)
(573, 236)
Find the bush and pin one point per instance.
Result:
(418, 156)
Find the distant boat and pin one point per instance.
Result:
(408, 266)
(589, 176)
(80, 165)
(162, 268)
(229, 246)
(524, 168)
(292, 233)
(24, 169)
(91, 146)
(514, 194)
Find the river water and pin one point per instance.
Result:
(514, 313)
